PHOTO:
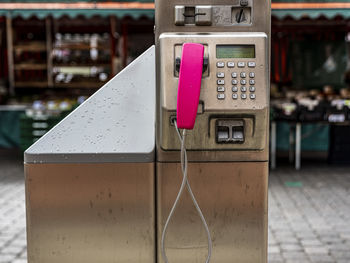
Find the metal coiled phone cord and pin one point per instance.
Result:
(182, 187)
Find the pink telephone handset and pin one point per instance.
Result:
(189, 87)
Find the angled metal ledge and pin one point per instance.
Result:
(116, 124)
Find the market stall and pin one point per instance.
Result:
(54, 52)
(310, 94)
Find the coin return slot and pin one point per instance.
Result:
(223, 133)
(229, 131)
(237, 134)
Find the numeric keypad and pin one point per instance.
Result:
(242, 79)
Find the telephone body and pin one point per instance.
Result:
(233, 89)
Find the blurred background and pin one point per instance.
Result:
(55, 54)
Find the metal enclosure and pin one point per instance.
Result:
(99, 185)
(228, 147)
(90, 180)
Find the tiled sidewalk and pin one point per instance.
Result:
(309, 213)
(12, 213)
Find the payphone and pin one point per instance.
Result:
(225, 104)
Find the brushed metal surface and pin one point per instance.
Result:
(233, 198)
(212, 156)
(203, 136)
(253, 112)
(108, 125)
(168, 81)
(90, 213)
(165, 17)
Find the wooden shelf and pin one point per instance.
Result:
(31, 46)
(30, 84)
(83, 65)
(30, 66)
(43, 44)
(80, 46)
(43, 84)
(80, 85)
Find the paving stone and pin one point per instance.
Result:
(11, 250)
(24, 253)
(310, 242)
(305, 260)
(291, 247)
(296, 256)
(20, 260)
(339, 247)
(306, 235)
(321, 259)
(5, 258)
(316, 250)
(274, 249)
(275, 257)
(341, 255)
(18, 242)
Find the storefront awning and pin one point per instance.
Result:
(298, 9)
(281, 9)
(42, 9)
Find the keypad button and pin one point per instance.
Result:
(234, 82)
(234, 96)
(243, 75)
(252, 82)
(230, 64)
(234, 89)
(251, 88)
(243, 96)
(220, 64)
(221, 88)
(221, 82)
(241, 64)
(243, 81)
(234, 74)
(220, 74)
(252, 96)
(251, 64)
(243, 88)
(252, 75)
(221, 96)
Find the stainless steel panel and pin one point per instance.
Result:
(254, 112)
(210, 156)
(260, 18)
(203, 136)
(108, 125)
(233, 198)
(90, 213)
(168, 82)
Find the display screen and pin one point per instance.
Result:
(235, 51)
